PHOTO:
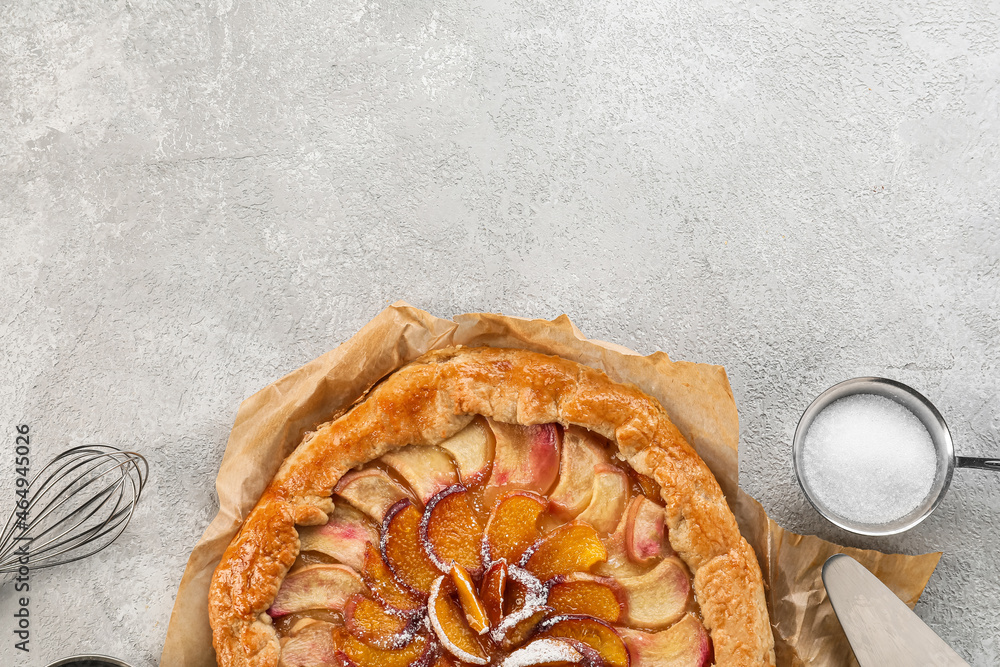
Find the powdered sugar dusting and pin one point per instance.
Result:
(542, 651)
(511, 620)
(439, 631)
(537, 594)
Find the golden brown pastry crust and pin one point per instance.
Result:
(434, 397)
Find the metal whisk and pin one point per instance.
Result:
(75, 506)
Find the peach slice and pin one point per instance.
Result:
(582, 452)
(516, 628)
(316, 587)
(301, 623)
(475, 612)
(473, 449)
(596, 634)
(527, 458)
(343, 537)
(290, 624)
(417, 653)
(491, 591)
(372, 491)
(573, 547)
(685, 644)
(645, 531)
(659, 597)
(607, 503)
(448, 622)
(515, 597)
(445, 660)
(524, 607)
(513, 526)
(383, 585)
(428, 470)
(402, 550)
(451, 532)
(315, 645)
(549, 652)
(586, 594)
(591, 658)
(619, 564)
(375, 625)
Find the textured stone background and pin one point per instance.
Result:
(198, 197)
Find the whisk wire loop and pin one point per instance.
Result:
(76, 505)
(116, 520)
(73, 491)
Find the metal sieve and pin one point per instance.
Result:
(932, 420)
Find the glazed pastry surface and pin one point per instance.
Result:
(431, 400)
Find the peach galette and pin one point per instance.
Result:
(492, 507)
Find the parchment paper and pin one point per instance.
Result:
(697, 397)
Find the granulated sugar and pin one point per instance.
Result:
(868, 459)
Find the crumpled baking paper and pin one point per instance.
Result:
(271, 423)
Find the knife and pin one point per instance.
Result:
(882, 630)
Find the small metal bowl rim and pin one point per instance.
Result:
(68, 662)
(938, 430)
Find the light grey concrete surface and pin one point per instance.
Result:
(198, 197)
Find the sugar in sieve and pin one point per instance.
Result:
(868, 422)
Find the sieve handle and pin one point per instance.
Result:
(978, 463)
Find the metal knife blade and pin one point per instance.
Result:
(882, 630)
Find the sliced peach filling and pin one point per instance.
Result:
(587, 595)
(491, 591)
(596, 634)
(450, 625)
(513, 526)
(402, 550)
(453, 555)
(377, 625)
(384, 586)
(574, 547)
(451, 531)
(475, 611)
